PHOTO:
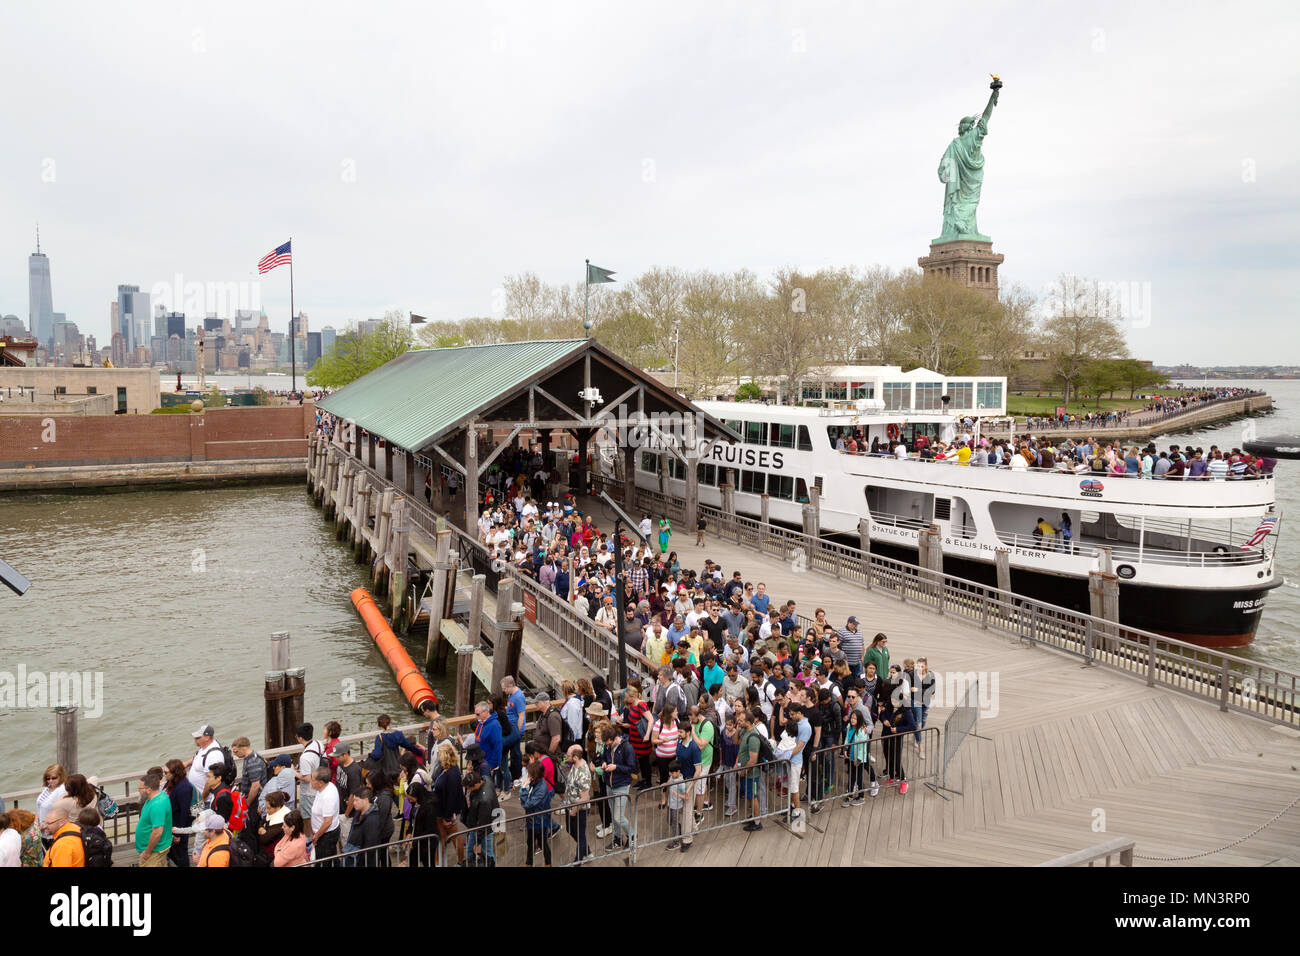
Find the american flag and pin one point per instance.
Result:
(1265, 526)
(276, 257)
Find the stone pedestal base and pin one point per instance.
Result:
(970, 262)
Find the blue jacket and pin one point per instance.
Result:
(488, 736)
(535, 799)
(392, 740)
(624, 760)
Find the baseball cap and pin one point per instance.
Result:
(341, 749)
(204, 731)
(214, 821)
(852, 619)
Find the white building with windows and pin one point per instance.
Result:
(919, 390)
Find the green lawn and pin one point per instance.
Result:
(1040, 403)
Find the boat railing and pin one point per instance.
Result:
(1227, 557)
(1060, 471)
(1235, 683)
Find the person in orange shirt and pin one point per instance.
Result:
(217, 836)
(67, 849)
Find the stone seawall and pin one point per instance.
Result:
(178, 474)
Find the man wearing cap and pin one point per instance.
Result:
(347, 778)
(283, 780)
(852, 645)
(547, 732)
(214, 826)
(208, 753)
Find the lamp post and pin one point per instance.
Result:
(677, 349)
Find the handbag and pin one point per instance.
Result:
(107, 805)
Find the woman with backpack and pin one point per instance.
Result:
(663, 737)
(535, 798)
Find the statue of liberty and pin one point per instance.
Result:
(962, 172)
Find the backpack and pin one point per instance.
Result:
(228, 759)
(238, 808)
(96, 849)
(561, 776)
(504, 721)
(567, 739)
(388, 762)
(765, 751)
(241, 854)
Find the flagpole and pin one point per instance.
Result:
(586, 301)
(293, 359)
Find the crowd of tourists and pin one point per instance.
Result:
(1085, 456)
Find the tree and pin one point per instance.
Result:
(749, 392)
(1136, 374)
(786, 335)
(1008, 331)
(355, 355)
(1082, 328)
(1098, 378)
(880, 315)
(942, 319)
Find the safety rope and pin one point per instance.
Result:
(1196, 856)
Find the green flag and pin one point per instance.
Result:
(597, 274)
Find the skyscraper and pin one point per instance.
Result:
(40, 300)
(327, 336)
(133, 315)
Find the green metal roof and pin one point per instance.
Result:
(418, 396)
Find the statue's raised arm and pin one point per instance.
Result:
(988, 110)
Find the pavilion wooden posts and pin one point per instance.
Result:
(471, 476)
(812, 519)
(1002, 564)
(65, 738)
(464, 677)
(398, 598)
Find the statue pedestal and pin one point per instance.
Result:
(971, 262)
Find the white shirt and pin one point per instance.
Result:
(571, 713)
(645, 527)
(694, 618)
(198, 772)
(11, 847)
(1018, 462)
(308, 764)
(325, 805)
(900, 450)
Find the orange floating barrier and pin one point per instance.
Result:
(409, 679)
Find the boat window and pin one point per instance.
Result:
(754, 433)
(707, 474)
(928, 396)
(801, 490)
(780, 486)
(782, 436)
(650, 463)
(753, 482)
(805, 440)
(676, 468)
(898, 395)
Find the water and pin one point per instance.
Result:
(1278, 637)
(173, 597)
(229, 381)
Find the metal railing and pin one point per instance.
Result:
(1233, 682)
(1143, 555)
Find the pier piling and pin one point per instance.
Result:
(65, 738)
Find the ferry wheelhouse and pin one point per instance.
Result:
(1185, 551)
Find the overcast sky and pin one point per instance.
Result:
(417, 154)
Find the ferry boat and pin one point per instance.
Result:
(1184, 550)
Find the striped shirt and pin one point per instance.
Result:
(667, 746)
(851, 645)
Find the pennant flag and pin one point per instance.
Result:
(597, 274)
(276, 257)
(417, 319)
(1265, 526)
